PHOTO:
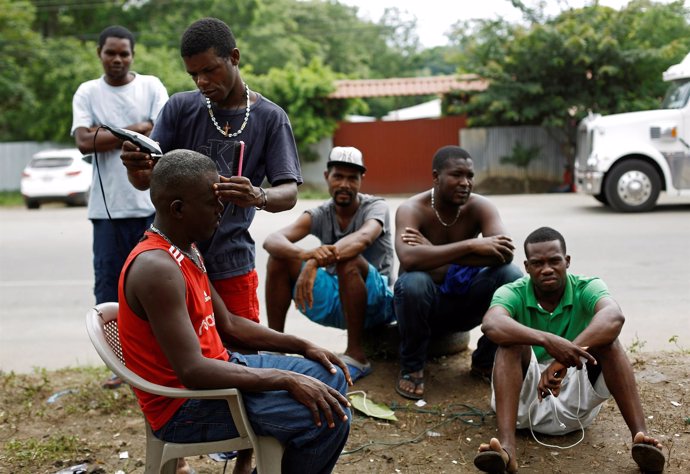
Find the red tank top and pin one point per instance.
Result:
(140, 349)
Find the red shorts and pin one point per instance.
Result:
(239, 294)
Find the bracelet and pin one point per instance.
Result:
(264, 200)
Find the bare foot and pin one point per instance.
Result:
(243, 463)
(643, 438)
(502, 460)
(646, 452)
(357, 354)
(411, 385)
(183, 467)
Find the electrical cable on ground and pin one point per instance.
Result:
(463, 417)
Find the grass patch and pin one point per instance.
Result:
(309, 192)
(32, 451)
(11, 198)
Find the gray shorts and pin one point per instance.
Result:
(578, 400)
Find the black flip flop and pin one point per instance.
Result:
(491, 461)
(417, 381)
(649, 458)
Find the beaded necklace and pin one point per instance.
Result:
(225, 132)
(196, 261)
(438, 216)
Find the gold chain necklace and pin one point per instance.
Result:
(438, 216)
(225, 131)
(198, 262)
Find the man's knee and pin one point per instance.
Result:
(277, 268)
(507, 273)
(609, 353)
(275, 264)
(412, 285)
(357, 267)
(512, 354)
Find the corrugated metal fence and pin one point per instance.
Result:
(13, 158)
(488, 145)
(397, 154)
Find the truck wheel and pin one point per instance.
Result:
(601, 198)
(632, 186)
(32, 204)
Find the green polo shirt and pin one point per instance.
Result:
(572, 315)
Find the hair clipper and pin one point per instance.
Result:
(144, 143)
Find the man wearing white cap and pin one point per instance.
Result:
(344, 282)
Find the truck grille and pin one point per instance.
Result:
(584, 146)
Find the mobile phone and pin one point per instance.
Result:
(144, 143)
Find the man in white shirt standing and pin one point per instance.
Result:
(124, 99)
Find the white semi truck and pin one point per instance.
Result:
(625, 160)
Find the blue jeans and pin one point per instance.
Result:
(423, 311)
(113, 240)
(308, 448)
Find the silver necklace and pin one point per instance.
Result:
(196, 261)
(438, 216)
(225, 132)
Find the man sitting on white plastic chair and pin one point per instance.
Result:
(174, 330)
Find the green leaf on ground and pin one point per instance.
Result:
(370, 408)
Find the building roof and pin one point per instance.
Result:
(403, 86)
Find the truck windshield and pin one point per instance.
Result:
(677, 95)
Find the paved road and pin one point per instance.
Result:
(46, 279)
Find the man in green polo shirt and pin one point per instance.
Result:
(559, 357)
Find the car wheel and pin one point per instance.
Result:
(85, 198)
(79, 200)
(633, 186)
(32, 204)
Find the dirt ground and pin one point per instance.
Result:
(104, 428)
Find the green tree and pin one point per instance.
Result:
(48, 49)
(303, 93)
(18, 46)
(587, 59)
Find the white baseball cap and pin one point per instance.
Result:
(347, 155)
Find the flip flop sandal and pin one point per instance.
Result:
(491, 461)
(417, 381)
(357, 369)
(112, 382)
(649, 458)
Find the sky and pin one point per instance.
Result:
(435, 17)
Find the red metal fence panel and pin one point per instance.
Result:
(398, 154)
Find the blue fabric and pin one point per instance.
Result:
(308, 448)
(458, 279)
(327, 310)
(112, 242)
(423, 310)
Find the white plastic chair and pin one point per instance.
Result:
(161, 456)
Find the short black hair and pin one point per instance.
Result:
(175, 171)
(207, 33)
(446, 153)
(545, 234)
(116, 31)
